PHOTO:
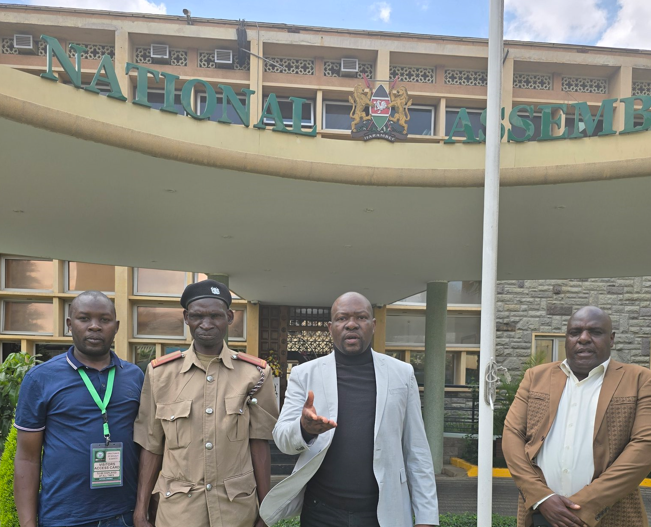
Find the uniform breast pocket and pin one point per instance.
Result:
(237, 417)
(175, 418)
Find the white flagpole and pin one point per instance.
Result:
(489, 261)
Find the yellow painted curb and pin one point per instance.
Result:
(473, 470)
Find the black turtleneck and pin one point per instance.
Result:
(345, 479)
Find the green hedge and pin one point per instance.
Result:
(8, 515)
(447, 520)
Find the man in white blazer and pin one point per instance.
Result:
(364, 457)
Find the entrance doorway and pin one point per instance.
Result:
(294, 335)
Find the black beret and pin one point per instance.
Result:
(206, 289)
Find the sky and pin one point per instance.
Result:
(614, 23)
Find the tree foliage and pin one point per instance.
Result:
(12, 372)
(8, 514)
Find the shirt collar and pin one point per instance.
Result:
(190, 358)
(597, 370)
(76, 364)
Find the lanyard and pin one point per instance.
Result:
(107, 397)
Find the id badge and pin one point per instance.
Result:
(106, 465)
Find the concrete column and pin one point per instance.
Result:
(122, 56)
(223, 278)
(382, 66)
(380, 335)
(621, 85)
(435, 332)
(507, 91)
(255, 80)
(253, 329)
(123, 288)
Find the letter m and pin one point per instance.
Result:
(54, 49)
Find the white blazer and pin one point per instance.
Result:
(402, 462)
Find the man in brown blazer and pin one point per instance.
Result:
(577, 438)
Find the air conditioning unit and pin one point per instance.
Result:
(223, 57)
(349, 67)
(25, 44)
(160, 53)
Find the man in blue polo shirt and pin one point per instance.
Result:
(78, 410)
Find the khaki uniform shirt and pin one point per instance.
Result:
(201, 421)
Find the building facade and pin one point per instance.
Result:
(179, 66)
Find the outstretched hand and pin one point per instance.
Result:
(557, 510)
(311, 422)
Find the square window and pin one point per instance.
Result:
(158, 282)
(421, 120)
(160, 322)
(550, 347)
(467, 293)
(27, 317)
(405, 330)
(143, 354)
(336, 115)
(463, 331)
(237, 330)
(29, 274)
(46, 351)
(472, 369)
(217, 114)
(85, 277)
(157, 100)
(287, 110)
(8, 348)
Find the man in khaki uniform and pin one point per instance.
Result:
(205, 419)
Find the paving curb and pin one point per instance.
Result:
(473, 470)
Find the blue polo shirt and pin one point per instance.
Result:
(54, 399)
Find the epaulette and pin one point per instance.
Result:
(256, 361)
(167, 358)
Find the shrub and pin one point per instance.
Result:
(12, 372)
(8, 515)
(470, 520)
(507, 389)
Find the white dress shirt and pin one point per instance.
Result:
(566, 457)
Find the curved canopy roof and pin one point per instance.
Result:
(298, 220)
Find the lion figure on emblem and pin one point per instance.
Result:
(360, 99)
(401, 102)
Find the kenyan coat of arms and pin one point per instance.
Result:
(379, 114)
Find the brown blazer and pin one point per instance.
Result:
(622, 443)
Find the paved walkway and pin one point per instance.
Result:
(459, 494)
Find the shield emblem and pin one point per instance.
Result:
(380, 109)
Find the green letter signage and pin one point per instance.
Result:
(229, 97)
(297, 117)
(54, 48)
(483, 117)
(547, 121)
(141, 82)
(630, 112)
(583, 114)
(170, 93)
(462, 124)
(186, 99)
(271, 106)
(520, 122)
(110, 78)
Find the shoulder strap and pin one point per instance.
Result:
(256, 361)
(167, 358)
